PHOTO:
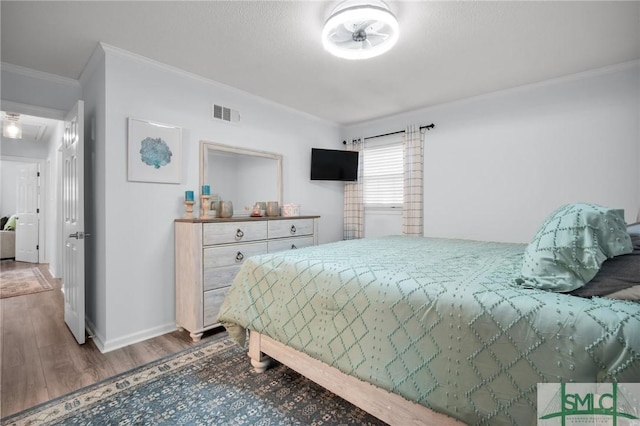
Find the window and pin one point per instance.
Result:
(382, 167)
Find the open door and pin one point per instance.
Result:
(27, 213)
(73, 218)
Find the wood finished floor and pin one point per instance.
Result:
(40, 358)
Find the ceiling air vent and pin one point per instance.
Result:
(225, 114)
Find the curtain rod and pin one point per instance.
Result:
(428, 127)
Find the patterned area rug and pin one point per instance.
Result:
(209, 384)
(22, 281)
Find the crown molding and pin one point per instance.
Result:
(40, 75)
(596, 72)
(34, 110)
(97, 56)
(134, 56)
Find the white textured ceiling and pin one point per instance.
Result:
(447, 50)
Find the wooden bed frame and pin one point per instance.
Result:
(388, 407)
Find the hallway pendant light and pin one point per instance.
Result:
(360, 29)
(12, 126)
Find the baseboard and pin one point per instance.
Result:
(53, 273)
(105, 345)
(92, 333)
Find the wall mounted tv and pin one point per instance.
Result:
(333, 164)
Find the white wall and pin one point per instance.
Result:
(94, 95)
(137, 292)
(33, 88)
(23, 148)
(497, 165)
(382, 222)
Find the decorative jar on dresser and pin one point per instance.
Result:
(209, 252)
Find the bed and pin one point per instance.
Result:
(429, 331)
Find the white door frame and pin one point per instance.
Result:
(46, 186)
(61, 241)
(43, 254)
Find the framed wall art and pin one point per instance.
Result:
(154, 152)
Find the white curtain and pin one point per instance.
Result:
(412, 220)
(353, 200)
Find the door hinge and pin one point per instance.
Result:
(38, 247)
(37, 210)
(38, 174)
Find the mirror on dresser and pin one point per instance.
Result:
(242, 176)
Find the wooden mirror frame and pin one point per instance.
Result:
(206, 147)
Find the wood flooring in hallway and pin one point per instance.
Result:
(40, 358)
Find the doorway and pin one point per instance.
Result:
(20, 205)
(64, 158)
(38, 150)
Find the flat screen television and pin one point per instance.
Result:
(333, 164)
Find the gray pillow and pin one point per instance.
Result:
(618, 273)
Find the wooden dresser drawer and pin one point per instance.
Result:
(219, 277)
(290, 244)
(231, 255)
(290, 228)
(233, 232)
(212, 303)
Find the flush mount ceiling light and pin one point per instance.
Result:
(360, 29)
(12, 126)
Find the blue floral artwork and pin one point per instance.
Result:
(155, 152)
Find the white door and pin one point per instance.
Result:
(27, 213)
(73, 218)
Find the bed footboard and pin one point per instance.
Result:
(388, 407)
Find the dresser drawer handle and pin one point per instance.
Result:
(239, 256)
(293, 247)
(293, 229)
(239, 234)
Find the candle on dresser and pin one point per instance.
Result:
(188, 195)
(206, 190)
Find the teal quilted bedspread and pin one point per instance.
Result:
(440, 322)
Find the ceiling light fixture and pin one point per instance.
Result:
(12, 126)
(360, 29)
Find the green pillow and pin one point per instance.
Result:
(11, 223)
(571, 245)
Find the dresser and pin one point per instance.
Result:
(209, 253)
